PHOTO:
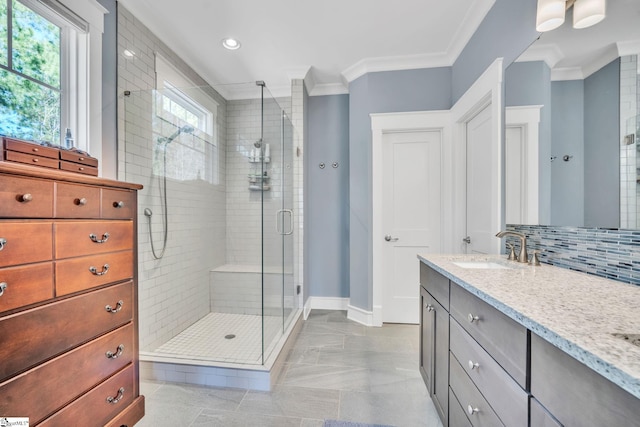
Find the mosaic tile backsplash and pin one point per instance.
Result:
(610, 253)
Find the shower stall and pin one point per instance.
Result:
(215, 230)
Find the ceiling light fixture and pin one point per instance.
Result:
(550, 13)
(230, 43)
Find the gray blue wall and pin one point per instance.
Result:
(567, 127)
(602, 147)
(394, 91)
(110, 90)
(529, 83)
(327, 221)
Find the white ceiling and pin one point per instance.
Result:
(330, 42)
(576, 54)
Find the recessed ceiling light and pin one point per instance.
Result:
(231, 43)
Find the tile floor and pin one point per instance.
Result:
(337, 369)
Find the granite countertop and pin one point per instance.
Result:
(584, 315)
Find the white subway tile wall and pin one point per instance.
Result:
(629, 125)
(209, 225)
(174, 291)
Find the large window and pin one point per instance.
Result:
(192, 154)
(34, 40)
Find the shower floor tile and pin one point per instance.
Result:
(205, 339)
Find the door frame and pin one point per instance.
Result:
(485, 92)
(384, 123)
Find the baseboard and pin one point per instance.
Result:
(328, 303)
(361, 316)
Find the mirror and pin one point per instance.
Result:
(572, 125)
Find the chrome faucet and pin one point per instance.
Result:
(523, 256)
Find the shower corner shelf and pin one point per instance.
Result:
(259, 160)
(258, 187)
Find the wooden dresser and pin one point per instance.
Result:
(68, 299)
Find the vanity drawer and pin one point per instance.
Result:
(77, 201)
(435, 283)
(503, 338)
(77, 274)
(38, 393)
(35, 335)
(575, 394)
(26, 242)
(24, 285)
(74, 238)
(118, 204)
(509, 401)
(76, 414)
(479, 412)
(457, 415)
(26, 198)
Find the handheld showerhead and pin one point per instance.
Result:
(183, 129)
(147, 212)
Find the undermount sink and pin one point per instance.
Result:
(481, 265)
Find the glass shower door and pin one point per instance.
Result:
(290, 297)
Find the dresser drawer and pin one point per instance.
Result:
(118, 204)
(24, 285)
(92, 237)
(435, 283)
(130, 416)
(31, 148)
(77, 274)
(77, 201)
(479, 413)
(101, 410)
(540, 417)
(509, 401)
(31, 159)
(40, 392)
(35, 335)
(74, 167)
(27, 198)
(503, 338)
(25, 242)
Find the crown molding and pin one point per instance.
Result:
(329, 89)
(630, 47)
(396, 63)
(549, 53)
(567, 73)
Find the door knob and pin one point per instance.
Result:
(467, 240)
(388, 238)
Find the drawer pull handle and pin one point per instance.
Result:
(118, 205)
(3, 242)
(114, 310)
(471, 410)
(473, 366)
(3, 286)
(95, 239)
(27, 197)
(118, 353)
(429, 307)
(81, 202)
(94, 271)
(472, 318)
(118, 397)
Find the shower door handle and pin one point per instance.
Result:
(280, 220)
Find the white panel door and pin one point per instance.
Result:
(480, 166)
(515, 175)
(410, 218)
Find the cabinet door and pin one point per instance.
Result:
(434, 351)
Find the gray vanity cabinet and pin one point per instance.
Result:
(575, 394)
(434, 338)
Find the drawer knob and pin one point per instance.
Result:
(95, 272)
(3, 286)
(473, 366)
(35, 150)
(118, 353)
(81, 202)
(472, 318)
(429, 307)
(35, 160)
(114, 310)
(119, 396)
(95, 239)
(118, 205)
(471, 410)
(27, 197)
(3, 242)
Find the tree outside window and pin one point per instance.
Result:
(30, 74)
